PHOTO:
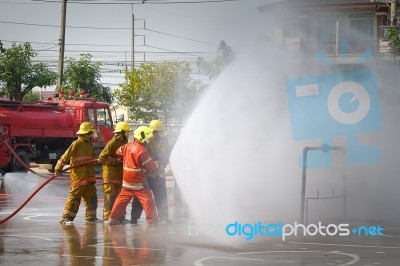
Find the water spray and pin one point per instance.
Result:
(42, 185)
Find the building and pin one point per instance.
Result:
(333, 27)
(120, 113)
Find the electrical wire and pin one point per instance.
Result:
(130, 2)
(107, 28)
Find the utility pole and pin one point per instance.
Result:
(144, 41)
(393, 13)
(133, 39)
(61, 45)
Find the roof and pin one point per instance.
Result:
(332, 4)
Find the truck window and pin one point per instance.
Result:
(91, 116)
(103, 117)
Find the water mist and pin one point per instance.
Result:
(236, 159)
(21, 185)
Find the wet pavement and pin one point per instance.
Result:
(34, 237)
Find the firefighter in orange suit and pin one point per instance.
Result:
(159, 150)
(136, 161)
(82, 178)
(112, 166)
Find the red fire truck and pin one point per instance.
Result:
(40, 132)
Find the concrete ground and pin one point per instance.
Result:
(34, 237)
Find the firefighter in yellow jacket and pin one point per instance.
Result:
(82, 178)
(112, 166)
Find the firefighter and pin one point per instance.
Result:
(82, 178)
(136, 161)
(159, 150)
(112, 166)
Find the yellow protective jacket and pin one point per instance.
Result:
(79, 151)
(160, 150)
(112, 167)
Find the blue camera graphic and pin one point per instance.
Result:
(332, 105)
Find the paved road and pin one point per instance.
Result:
(34, 237)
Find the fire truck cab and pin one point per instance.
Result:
(40, 132)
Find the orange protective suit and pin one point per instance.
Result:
(136, 161)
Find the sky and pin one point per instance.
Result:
(163, 29)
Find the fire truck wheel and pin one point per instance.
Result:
(18, 167)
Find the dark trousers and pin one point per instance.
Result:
(177, 196)
(159, 187)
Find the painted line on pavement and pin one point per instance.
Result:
(343, 245)
(355, 258)
(199, 262)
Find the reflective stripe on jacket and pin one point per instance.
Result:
(112, 168)
(136, 160)
(134, 186)
(81, 150)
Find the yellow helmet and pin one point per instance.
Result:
(122, 127)
(157, 125)
(143, 134)
(85, 128)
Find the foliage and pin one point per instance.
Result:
(31, 97)
(19, 75)
(225, 56)
(394, 41)
(85, 75)
(164, 91)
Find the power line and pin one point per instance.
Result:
(72, 44)
(29, 42)
(107, 28)
(13, 3)
(57, 26)
(164, 51)
(118, 53)
(168, 34)
(130, 2)
(170, 50)
(193, 2)
(47, 49)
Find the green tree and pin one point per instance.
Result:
(225, 56)
(19, 75)
(394, 41)
(85, 75)
(31, 97)
(163, 90)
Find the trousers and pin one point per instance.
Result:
(145, 198)
(159, 187)
(89, 194)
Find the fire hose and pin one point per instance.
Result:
(19, 159)
(42, 185)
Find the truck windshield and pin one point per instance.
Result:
(91, 116)
(103, 117)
